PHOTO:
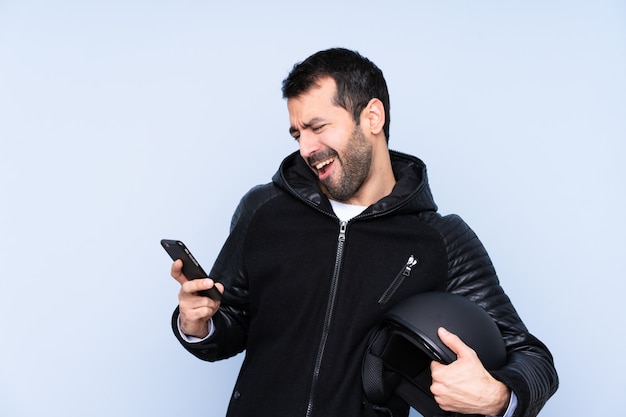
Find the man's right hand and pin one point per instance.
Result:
(195, 310)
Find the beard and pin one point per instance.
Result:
(355, 168)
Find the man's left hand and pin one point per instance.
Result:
(465, 386)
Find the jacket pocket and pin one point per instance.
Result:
(404, 273)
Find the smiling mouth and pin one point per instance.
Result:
(322, 164)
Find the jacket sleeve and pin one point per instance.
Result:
(231, 320)
(529, 370)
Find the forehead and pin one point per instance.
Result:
(321, 95)
(316, 105)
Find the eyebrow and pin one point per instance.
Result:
(306, 125)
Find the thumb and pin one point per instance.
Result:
(177, 272)
(453, 342)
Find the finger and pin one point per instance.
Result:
(435, 367)
(195, 285)
(454, 342)
(177, 272)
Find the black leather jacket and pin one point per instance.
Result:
(302, 291)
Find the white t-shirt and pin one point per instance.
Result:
(346, 211)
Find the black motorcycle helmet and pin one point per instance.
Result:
(397, 359)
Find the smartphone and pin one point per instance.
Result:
(191, 268)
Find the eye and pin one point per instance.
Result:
(294, 133)
(317, 128)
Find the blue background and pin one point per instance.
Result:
(124, 122)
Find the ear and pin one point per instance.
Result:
(373, 116)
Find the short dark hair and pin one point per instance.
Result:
(358, 80)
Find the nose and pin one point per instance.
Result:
(309, 144)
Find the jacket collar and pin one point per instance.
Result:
(411, 192)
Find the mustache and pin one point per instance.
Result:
(320, 156)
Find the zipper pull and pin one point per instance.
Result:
(342, 231)
(410, 263)
(398, 280)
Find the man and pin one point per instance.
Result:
(310, 254)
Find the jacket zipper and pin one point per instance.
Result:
(398, 280)
(329, 315)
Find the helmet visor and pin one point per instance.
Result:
(407, 356)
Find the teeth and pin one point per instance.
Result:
(324, 163)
